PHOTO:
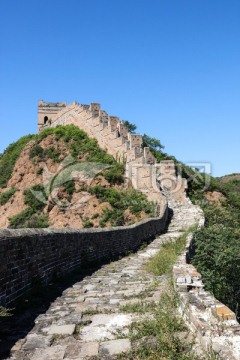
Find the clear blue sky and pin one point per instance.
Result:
(172, 67)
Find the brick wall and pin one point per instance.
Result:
(213, 324)
(28, 254)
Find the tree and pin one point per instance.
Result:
(152, 142)
(131, 127)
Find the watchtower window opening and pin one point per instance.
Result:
(45, 119)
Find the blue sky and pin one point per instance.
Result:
(172, 67)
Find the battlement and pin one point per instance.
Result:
(47, 112)
(113, 136)
(109, 130)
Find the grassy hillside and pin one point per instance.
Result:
(9, 158)
(84, 186)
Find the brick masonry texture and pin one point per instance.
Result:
(27, 255)
(214, 325)
(111, 134)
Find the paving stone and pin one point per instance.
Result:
(73, 318)
(89, 287)
(18, 345)
(114, 285)
(94, 300)
(52, 353)
(130, 301)
(81, 350)
(35, 341)
(44, 317)
(114, 347)
(60, 314)
(114, 301)
(84, 307)
(74, 299)
(60, 329)
(104, 326)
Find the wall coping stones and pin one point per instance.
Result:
(214, 324)
(9, 233)
(27, 255)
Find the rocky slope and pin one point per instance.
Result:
(63, 179)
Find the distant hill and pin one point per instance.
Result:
(226, 178)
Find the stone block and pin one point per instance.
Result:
(80, 350)
(60, 329)
(52, 353)
(223, 313)
(35, 341)
(115, 347)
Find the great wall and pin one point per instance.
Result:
(96, 301)
(111, 134)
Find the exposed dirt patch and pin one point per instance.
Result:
(215, 197)
(76, 209)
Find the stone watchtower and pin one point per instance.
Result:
(47, 112)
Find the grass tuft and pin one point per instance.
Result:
(162, 335)
(163, 261)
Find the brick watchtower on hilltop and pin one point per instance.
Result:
(48, 111)
(113, 136)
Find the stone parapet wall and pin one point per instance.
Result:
(213, 323)
(113, 136)
(27, 255)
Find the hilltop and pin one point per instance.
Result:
(44, 182)
(226, 178)
(85, 168)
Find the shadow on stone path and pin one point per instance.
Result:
(22, 321)
(86, 321)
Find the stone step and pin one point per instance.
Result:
(87, 319)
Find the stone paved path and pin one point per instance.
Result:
(86, 322)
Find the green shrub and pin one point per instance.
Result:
(52, 153)
(36, 150)
(19, 220)
(231, 189)
(5, 196)
(69, 187)
(115, 174)
(39, 171)
(78, 142)
(121, 200)
(130, 127)
(38, 221)
(31, 200)
(137, 202)
(217, 258)
(28, 219)
(152, 143)
(102, 223)
(114, 216)
(9, 158)
(87, 223)
(105, 194)
(217, 245)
